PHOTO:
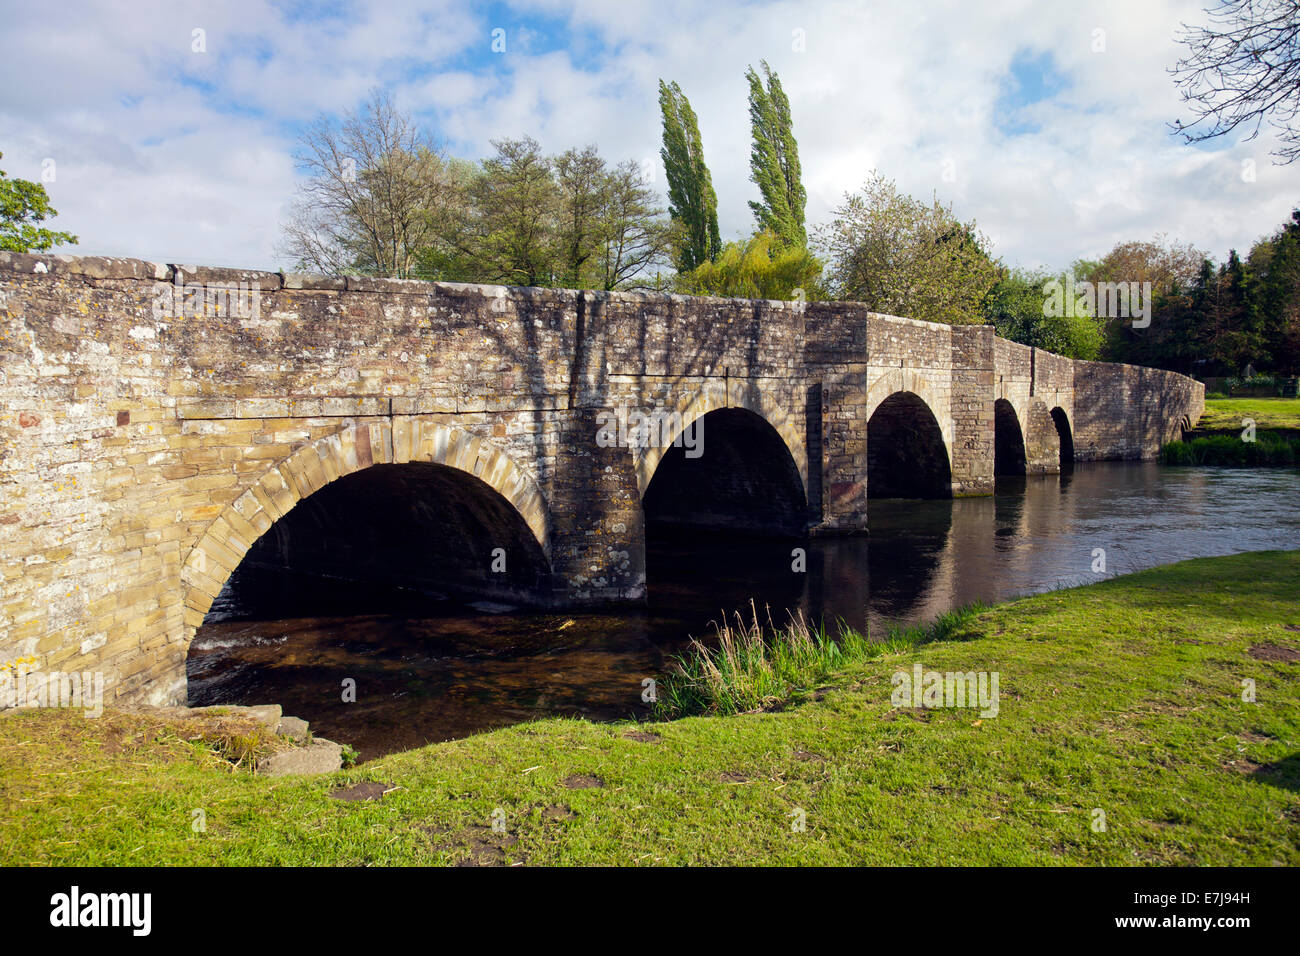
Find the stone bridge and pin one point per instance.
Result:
(161, 424)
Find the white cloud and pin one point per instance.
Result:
(163, 153)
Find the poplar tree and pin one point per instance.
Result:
(692, 203)
(774, 160)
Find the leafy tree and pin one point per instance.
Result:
(761, 267)
(1231, 336)
(516, 203)
(1166, 264)
(22, 205)
(1015, 307)
(1242, 68)
(691, 199)
(568, 220)
(774, 160)
(1274, 270)
(902, 256)
(582, 179)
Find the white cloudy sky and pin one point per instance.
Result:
(1056, 150)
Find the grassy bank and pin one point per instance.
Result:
(1268, 450)
(1123, 697)
(1226, 414)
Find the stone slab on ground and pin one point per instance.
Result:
(320, 756)
(294, 727)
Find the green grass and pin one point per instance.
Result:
(1123, 696)
(1226, 414)
(1268, 450)
(747, 667)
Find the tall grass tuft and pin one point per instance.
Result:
(748, 667)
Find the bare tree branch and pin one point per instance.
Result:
(1243, 68)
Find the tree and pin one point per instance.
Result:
(691, 199)
(373, 196)
(1230, 335)
(1242, 68)
(899, 255)
(583, 181)
(1167, 264)
(1274, 270)
(516, 210)
(1172, 269)
(1015, 307)
(636, 236)
(774, 160)
(761, 267)
(22, 205)
(570, 220)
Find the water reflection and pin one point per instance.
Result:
(428, 669)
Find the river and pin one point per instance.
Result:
(429, 670)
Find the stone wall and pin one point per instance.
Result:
(143, 451)
(1128, 412)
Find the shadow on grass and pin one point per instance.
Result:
(1284, 773)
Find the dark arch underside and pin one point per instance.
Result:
(418, 525)
(906, 457)
(745, 479)
(1008, 440)
(1065, 435)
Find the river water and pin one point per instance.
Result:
(428, 670)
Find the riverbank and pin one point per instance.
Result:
(1265, 450)
(1219, 438)
(1225, 415)
(1124, 697)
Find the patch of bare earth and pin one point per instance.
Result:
(359, 792)
(1274, 652)
(642, 737)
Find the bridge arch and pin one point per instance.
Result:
(907, 450)
(751, 473)
(1009, 456)
(350, 451)
(697, 404)
(1065, 436)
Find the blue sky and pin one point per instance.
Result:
(1007, 110)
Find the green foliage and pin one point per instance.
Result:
(1015, 307)
(774, 160)
(1268, 450)
(22, 205)
(901, 256)
(349, 755)
(569, 220)
(760, 267)
(1210, 320)
(747, 666)
(692, 203)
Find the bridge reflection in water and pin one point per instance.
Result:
(429, 669)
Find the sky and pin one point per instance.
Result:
(167, 131)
